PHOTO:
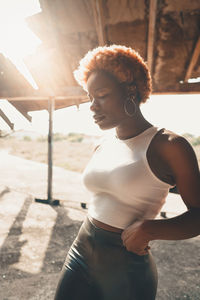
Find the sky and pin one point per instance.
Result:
(179, 113)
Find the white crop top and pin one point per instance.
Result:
(123, 188)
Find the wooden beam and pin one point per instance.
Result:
(44, 98)
(151, 33)
(65, 92)
(193, 60)
(175, 92)
(185, 88)
(5, 118)
(97, 8)
(23, 112)
(60, 102)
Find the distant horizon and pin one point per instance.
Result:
(178, 113)
(29, 132)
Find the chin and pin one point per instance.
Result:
(105, 126)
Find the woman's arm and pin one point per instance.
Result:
(182, 162)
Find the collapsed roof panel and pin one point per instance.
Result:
(165, 33)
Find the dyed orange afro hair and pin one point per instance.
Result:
(124, 63)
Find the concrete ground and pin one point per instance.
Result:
(34, 237)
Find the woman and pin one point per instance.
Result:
(129, 177)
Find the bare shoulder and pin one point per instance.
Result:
(168, 139)
(172, 145)
(171, 156)
(166, 136)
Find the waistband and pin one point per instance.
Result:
(102, 235)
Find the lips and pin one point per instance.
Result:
(98, 118)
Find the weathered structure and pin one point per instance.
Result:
(165, 32)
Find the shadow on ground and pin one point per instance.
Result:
(178, 262)
(24, 285)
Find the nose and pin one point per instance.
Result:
(94, 105)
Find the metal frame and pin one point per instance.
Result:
(49, 200)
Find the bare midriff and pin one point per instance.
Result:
(105, 226)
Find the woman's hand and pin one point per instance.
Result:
(135, 239)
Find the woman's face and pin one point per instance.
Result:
(107, 100)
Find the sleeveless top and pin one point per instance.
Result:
(123, 188)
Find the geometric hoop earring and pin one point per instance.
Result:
(130, 107)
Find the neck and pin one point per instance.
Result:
(131, 127)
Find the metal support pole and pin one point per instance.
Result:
(50, 148)
(50, 200)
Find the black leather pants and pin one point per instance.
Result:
(98, 267)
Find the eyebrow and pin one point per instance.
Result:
(99, 89)
(102, 88)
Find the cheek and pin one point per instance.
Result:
(119, 99)
(119, 106)
(116, 104)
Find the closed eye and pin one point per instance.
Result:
(103, 96)
(97, 97)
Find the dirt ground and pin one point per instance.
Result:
(68, 155)
(34, 249)
(34, 237)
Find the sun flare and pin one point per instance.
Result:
(16, 40)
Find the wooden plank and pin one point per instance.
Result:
(60, 102)
(6, 119)
(185, 88)
(42, 98)
(175, 92)
(99, 21)
(23, 111)
(68, 92)
(151, 33)
(193, 60)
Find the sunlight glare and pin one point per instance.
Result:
(194, 80)
(16, 40)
